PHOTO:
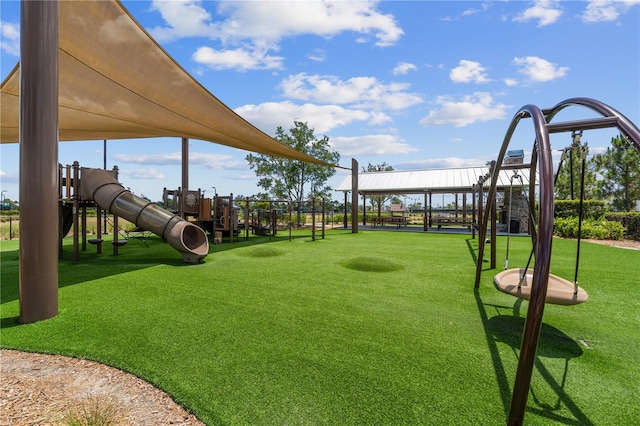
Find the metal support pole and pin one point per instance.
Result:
(313, 219)
(104, 166)
(323, 218)
(38, 161)
(185, 164)
(473, 213)
(493, 234)
(354, 196)
(73, 183)
(346, 210)
(98, 230)
(425, 221)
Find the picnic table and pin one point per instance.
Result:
(441, 221)
(394, 220)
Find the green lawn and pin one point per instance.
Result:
(371, 328)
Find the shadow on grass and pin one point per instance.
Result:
(135, 255)
(472, 245)
(553, 343)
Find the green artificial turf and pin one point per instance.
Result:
(368, 328)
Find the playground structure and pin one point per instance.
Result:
(217, 215)
(267, 221)
(81, 188)
(541, 286)
(223, 216)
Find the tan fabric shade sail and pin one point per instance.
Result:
(116, 82)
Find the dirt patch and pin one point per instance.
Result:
(38, 389)
(625, 244)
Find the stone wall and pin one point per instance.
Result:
(519, 209)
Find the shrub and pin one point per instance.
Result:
(600, 229)
(592, 209)
(629, 220)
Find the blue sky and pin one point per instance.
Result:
(416, 84)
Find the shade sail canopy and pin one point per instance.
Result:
(435, 180)
(116, 82)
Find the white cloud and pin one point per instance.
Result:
(441, 163)
(546, 12)
(322, 118)
(239, 59)
(470, 109)
(185, 19)
(209, 161)
(483, 8)
(510, 81)
(403, 68)
(318, 55)
(9, 177)
(359, 92)
(536, 69)
(370, 145)
(607, 10)
(155, 159)
(469, 71)
(150, 173)
(250, 29)
(10, 38)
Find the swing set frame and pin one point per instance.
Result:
(542, 166)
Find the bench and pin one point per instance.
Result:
(137, 232)
(441, 221)
(394, 220)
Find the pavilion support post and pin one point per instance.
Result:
(364, 209)
(38, 269)
(346, 210)
(464, 205)
(456, 206)
(425, 221)
(473, 213)
(430, 204)
(493, 234)
(354, 196)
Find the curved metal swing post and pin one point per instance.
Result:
(491, 195)
(533, 322)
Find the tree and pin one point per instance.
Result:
(563, 190)
(378, 200)
(293, 179)
(619, 169)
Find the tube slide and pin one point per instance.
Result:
(102, 187)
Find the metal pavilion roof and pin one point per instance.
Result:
(422, 181)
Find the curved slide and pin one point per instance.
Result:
(102, 187)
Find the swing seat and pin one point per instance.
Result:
(559, 290)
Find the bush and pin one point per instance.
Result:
(592, 209)
(629, 220)
(599, 229)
